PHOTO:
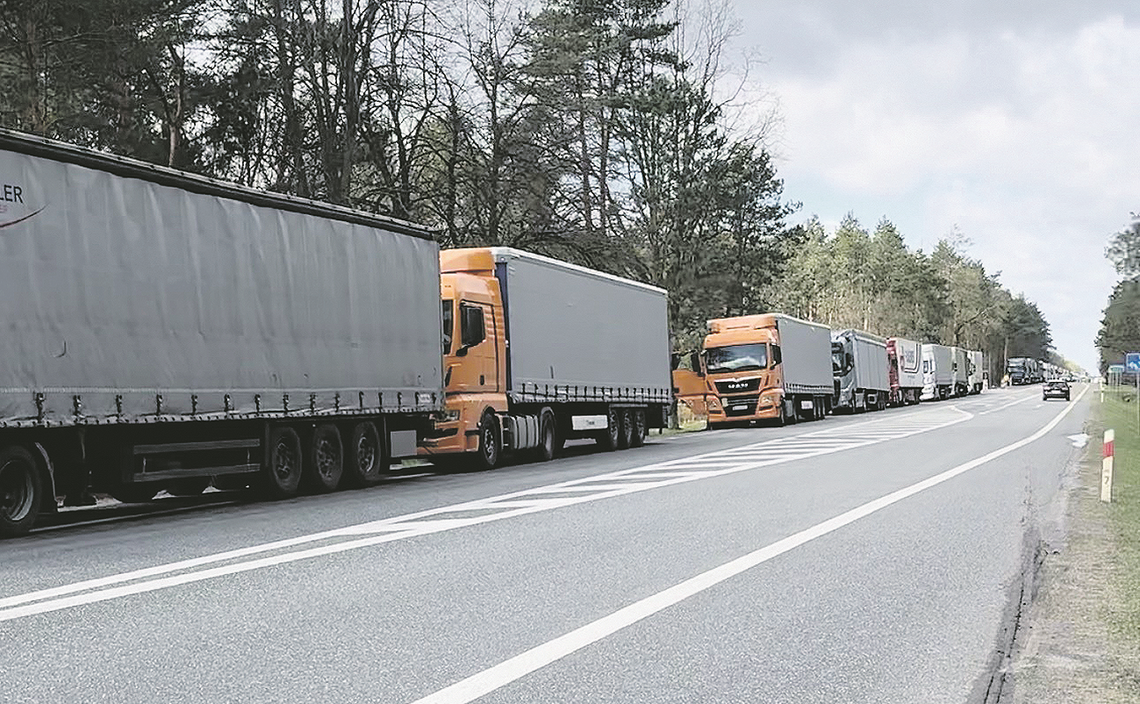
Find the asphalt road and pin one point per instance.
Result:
(874, 558)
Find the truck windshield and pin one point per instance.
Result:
(448, 325)
(837, 358)
(736, 358)
(1016, 364)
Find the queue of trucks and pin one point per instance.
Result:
(166, 332)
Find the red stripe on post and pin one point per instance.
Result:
(1108, 448)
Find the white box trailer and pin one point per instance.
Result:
(166, 330)
(861, 371)
(937, 372)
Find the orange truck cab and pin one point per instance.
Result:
(537, 351)
(766, 367)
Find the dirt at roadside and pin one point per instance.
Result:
(1069, 654)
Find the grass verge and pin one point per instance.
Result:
(1124, 517)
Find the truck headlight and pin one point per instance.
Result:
(766, 401)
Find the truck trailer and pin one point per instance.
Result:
(976, 362)
(937, 372)
(1022, 370)
(538, 351)
(166, 330)
(861, 371)
(767, 367)
(960, 366)
(905, 357)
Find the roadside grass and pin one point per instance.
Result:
(1119, 413)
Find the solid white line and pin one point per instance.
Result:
(515, 668)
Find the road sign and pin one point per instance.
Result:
(1116, 369)
(1132, 361)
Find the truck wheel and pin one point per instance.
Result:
(547, 435)
(489, 447)
(366, 459)
(281, 474)
(625, 440)
(20, 492)
(610, 438)
(324, 459)
(640, 431)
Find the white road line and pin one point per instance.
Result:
(515, 668)
(410, 525)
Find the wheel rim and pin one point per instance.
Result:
(17, 491)
(615, 427)
(489, 440)
(365, 454)
(284, 461)
(327, 457)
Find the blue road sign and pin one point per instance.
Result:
(1132, 361)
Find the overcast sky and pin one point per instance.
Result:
(1016, 122)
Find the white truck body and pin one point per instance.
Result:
(937, 372)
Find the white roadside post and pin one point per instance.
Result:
(1106, 466)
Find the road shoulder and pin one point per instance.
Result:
(1078, 646)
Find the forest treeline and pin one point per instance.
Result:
(595, 131)
(1120, 327)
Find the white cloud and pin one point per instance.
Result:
(1023, 138)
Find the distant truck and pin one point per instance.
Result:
(861, 371)
(937, 372)
(1022, 370)
(767, 367)
(166, 330)
(538, 351)
(905, 358)
(976, 362)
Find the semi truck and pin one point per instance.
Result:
(905, 357)
(165, 330)
(1022, 370)
(861, 371)
(937, 372)
(766, 367)
(960, 368)
(538, 351)
(977, 371)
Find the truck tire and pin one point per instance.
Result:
(640, 429)
(625, 440)
(490, 442)
(366, 458)
(21, 492)
(547, 436)
(324, 460)
(281, 474)
(610, 438)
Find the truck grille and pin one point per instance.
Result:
(740, 406)
(738, 386)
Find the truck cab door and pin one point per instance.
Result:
(477, 344)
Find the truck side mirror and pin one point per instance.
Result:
(776, 356)
(850, 360)
(695, 363)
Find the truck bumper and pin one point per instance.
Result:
(731, 409)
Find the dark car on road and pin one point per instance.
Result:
(1055, 388)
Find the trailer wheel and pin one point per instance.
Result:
(366, 458)
(640, 429)
(610, 438)
(625, 440)
(489, 442)
(547, 435)
(20, 492)
(281, 474)
(324, 459)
